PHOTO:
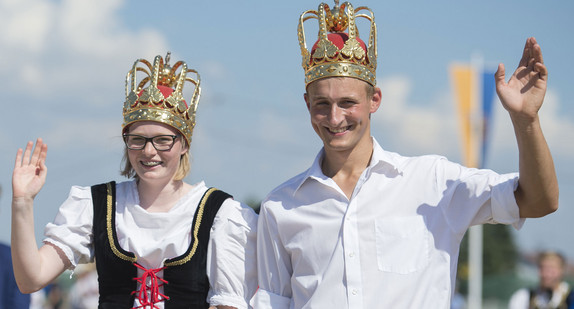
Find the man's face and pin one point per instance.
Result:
(550, 270)
(340, 111)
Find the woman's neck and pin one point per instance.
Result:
(160, 197)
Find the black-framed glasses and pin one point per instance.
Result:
(159, 142)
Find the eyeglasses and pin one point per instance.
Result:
(159, 142)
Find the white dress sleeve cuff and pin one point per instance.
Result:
(228, 300)
(266, 299)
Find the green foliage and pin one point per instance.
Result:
(500, 257)
(500, 253)
(254, 203)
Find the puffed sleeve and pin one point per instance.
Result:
(71, 230)
(231, 256)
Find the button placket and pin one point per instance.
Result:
(351, 250)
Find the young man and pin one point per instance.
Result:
(368, 228)
(552, 291)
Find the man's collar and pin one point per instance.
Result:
(383, 158)
(379, 160)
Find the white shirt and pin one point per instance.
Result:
(394, 244)
(155, 237)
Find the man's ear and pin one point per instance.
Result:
(376, 100)
(306, 97)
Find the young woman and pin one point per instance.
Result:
(158, 242)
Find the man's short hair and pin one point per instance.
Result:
(551, 254)
(370, 89)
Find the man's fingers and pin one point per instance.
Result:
(537, 53)
(542, 71)
(500, 74)
(525, 54)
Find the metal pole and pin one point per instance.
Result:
(475, 267)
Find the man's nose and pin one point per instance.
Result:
(336, 115)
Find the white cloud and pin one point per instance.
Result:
(26, 24)
(85, 133)
(76, 48)
(94, 28)
(279, 129)
(413, 129)
(70, 58)
(30, 74)
(558, 130)
(214, 70)
(433, 127)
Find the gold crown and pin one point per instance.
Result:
(162, 100)
(349, 60)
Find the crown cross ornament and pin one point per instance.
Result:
(159, 95)
(336, 52)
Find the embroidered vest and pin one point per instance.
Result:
(565, 302)
(187, 283)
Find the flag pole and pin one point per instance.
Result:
(475, 237)
(467, 84)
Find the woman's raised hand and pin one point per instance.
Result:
(30, 171)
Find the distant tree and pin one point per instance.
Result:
(499, 257)
(500, 253)
(254, 203)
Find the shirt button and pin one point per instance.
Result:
(354, 292)
(352, 254)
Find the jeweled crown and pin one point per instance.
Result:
(159, 95)
(335, 52)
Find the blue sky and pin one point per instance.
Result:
(63, 66)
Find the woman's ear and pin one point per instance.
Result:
(184, 146)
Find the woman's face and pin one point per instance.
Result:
(149, 163)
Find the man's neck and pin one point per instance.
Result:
(345, 167)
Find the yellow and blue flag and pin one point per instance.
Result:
(474, 93)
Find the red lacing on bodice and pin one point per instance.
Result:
(148, 294)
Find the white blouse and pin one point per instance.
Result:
(156, 237)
